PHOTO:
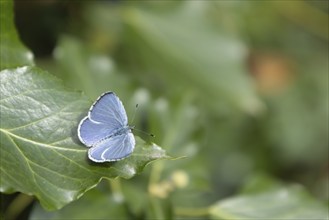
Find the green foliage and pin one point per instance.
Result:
(40, 151)
(232, 88)
(12, 53)
(198, 56)
(282, 203)
(272, 201)
(38, 133)
(88, 71)
(99, 206)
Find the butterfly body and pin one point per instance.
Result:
(106, 131)
(123, 130)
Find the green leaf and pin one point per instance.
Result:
(40, 151)
(280, 203)
(86, 70)
(182, 46)
(95, 204)
(12, 51)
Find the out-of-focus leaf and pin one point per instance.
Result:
(136, 191)
(40, 151)
(296, 122)
(181, 46)
(95, 204)
(12, 51)
(305, 15)
(258, 183)
(279, 203)
(82, 69)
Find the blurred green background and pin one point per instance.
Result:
(240, 88)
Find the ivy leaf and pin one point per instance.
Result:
(40, 151)
(12, 52)
(279, 203)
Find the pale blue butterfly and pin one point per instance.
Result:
(106, 131)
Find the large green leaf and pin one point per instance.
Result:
(12, 52)
(182, 46)
(95, 204)
(40, 151)
(278, 203)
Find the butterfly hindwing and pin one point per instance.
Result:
(113, 149)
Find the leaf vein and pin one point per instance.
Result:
(40, 144)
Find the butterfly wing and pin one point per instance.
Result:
(90, 132)
(113, 149)
(108, 109)
(105, 116)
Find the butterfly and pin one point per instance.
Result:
(106, 131)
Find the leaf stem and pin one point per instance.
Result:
(17, 206)
(156, 172)
(116, 189)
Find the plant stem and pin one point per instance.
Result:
(116, 189)
(17, 206)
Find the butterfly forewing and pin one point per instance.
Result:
(90, 132)
(109, 110)
(105, 116)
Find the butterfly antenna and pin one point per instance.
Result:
(149, 134)
(135, 129)
(134, 113)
